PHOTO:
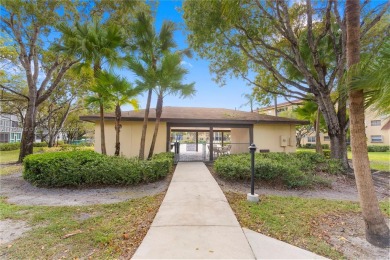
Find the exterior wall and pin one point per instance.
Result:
(239, 140)
(268, 136)
(310, 139)
(130, 138)
(10, 132)
(377, 130)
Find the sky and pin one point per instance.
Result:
(208, 93)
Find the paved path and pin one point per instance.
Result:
(195, 221)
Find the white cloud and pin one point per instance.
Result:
(185, 63)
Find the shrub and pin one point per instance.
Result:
(378, 148)
(9, 146)
(325, 146)
(293, 169)
(309, 146)
(86, 168)
(41, 144)
(326, 153)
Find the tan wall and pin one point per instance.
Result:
(267, 136)
(130, 138)
(240, 140)
(377, 129)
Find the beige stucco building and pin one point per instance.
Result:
(269, 133)
(377, 127)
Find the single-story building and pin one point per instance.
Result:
(269, 133)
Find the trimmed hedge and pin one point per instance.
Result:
(9, 146)
(88, 168)
(378, 148)
(293, 169)
(16, 146)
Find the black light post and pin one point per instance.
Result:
(252, 197)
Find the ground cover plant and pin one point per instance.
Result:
(292, 169)
(299, 221)
(88, 168)
(80, 232)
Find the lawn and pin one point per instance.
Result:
(296, 220)
(9, 156)
(97, 232)
(378, 160)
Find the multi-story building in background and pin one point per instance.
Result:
(10, 130)
(377, 127)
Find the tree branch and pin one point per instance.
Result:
(14, 92)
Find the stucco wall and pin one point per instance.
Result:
(240, 140)
(267, 136)
(130, 138)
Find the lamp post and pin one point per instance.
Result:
(252, 197)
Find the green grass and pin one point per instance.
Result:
(9, 156)
(101, 234)
(378, 160)
(294, 220)
(11, 169)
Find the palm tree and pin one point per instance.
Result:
(95, 44)
(170, 75)
(309, 110)
(373, 78)
(121, 92)
(377, 232)
(250, 100)
(150, 47)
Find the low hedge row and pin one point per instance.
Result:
(88, 168)
(16, 146)
(378, 148)
(293, 169)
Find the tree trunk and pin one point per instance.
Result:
(117, 129)
(102, 133)
(28, 135)
(377, 232)
(156, 125)
(145, 126)
(336, 129)
(318, 138)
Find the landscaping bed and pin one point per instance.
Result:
(330, 228)
(293, 170)
(80, 232)
(88, 168)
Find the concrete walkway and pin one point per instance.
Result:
(195, 221)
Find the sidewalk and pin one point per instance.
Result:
(195, 221)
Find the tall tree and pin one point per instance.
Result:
(150, 47)
(96, 44)
(250, 37)
(377, 232)
(170, 75)
(29, 25)
(250, 100)
(120, 92)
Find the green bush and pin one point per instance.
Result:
(326, 153)
(325, 146)
(293, 169)
(41, 144)
(9, 146)
(309, 146)
(378, 148)
(87, 168)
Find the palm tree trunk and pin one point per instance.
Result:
(145, 126)
(377, 232)
(117, 129)
(102, 133)
(157, 124)
(318, 138)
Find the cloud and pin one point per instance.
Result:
(185, 63)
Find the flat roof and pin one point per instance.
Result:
(198, 115)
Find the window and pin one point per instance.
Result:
(4, 137)
(15, 124)
(376, 139)
(375, 122)
(311, 139)
(326, 138)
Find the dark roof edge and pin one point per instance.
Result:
(200, 121)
